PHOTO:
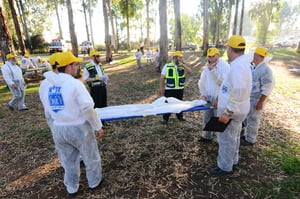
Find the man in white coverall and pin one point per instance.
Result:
(209, 85)
(70, 113)
(13, 77)
(262, 86)
(234, 104)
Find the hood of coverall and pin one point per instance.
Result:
(56, 79)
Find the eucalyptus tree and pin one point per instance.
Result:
(262, 14)
(128, 9)
(205, 28)
(163, 41)
(108, 56)
(17, 26)
(72, 28)
(177, 38)
(235, 22)
(242, 17)
(6, 43)
(115, 43)
(58, 20)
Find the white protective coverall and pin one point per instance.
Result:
(12, 74)
(262, 84)
(234, 95)
(209, 86)
(73, 121)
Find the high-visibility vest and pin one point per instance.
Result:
(91, 68)
(174, 79)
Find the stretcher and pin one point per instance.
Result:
(160, 106)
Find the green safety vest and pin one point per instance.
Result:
(174, 79)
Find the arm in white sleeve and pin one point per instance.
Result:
(92, 117)
(6, 75)
(267, 83)
(217, 76)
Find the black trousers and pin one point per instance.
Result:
(99, 95)
(178, 94)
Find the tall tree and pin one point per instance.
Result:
(6, 44)
(148, 24)
(163, 41)
(24, 23)
(58, 20)
(115, 43)
(128, 9)
(229, 5)
(84, 5)
(107, 37)
(219, 6)
(235, 22)
(242, 17)
(72, 28)
(17, 26)
(205, 28)
(263, 14)
(177, 24)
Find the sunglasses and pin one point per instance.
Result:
(97, 56)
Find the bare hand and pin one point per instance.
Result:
(99, 134)
(15, 86)
(224, 118)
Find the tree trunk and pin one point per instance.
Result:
(205, 29)
(22, 12)
(229, 20)
(91, 24)
(242, 17)
(85, 21)
(6, 44)
(148, 24)
(128, 32)
(177, 25)
(163, 42)
(234, 31)
(58, 20)
(72, 28)
(112, 26)
(17, 26)
(107, 37)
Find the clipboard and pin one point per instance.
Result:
(215, 125)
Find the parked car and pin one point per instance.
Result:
(86, 46)
(57, 45)
(290, 42)
(189, 46)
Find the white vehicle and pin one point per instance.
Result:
(57, 45)
(86, 46)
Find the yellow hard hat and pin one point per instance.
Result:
(237, 41)
(261, 51)
(10, 56)
(94, 52)
(212, 51)
(66, 58)
(177, 54)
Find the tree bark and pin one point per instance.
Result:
(163, 42)
(108, 57)
(242, 17)
(17, 26)
(177, 25)
(205, 29)
(112, 26)
(6, 44)
(58, 20)
(72, 28)
(28, 38)
(234, 30)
